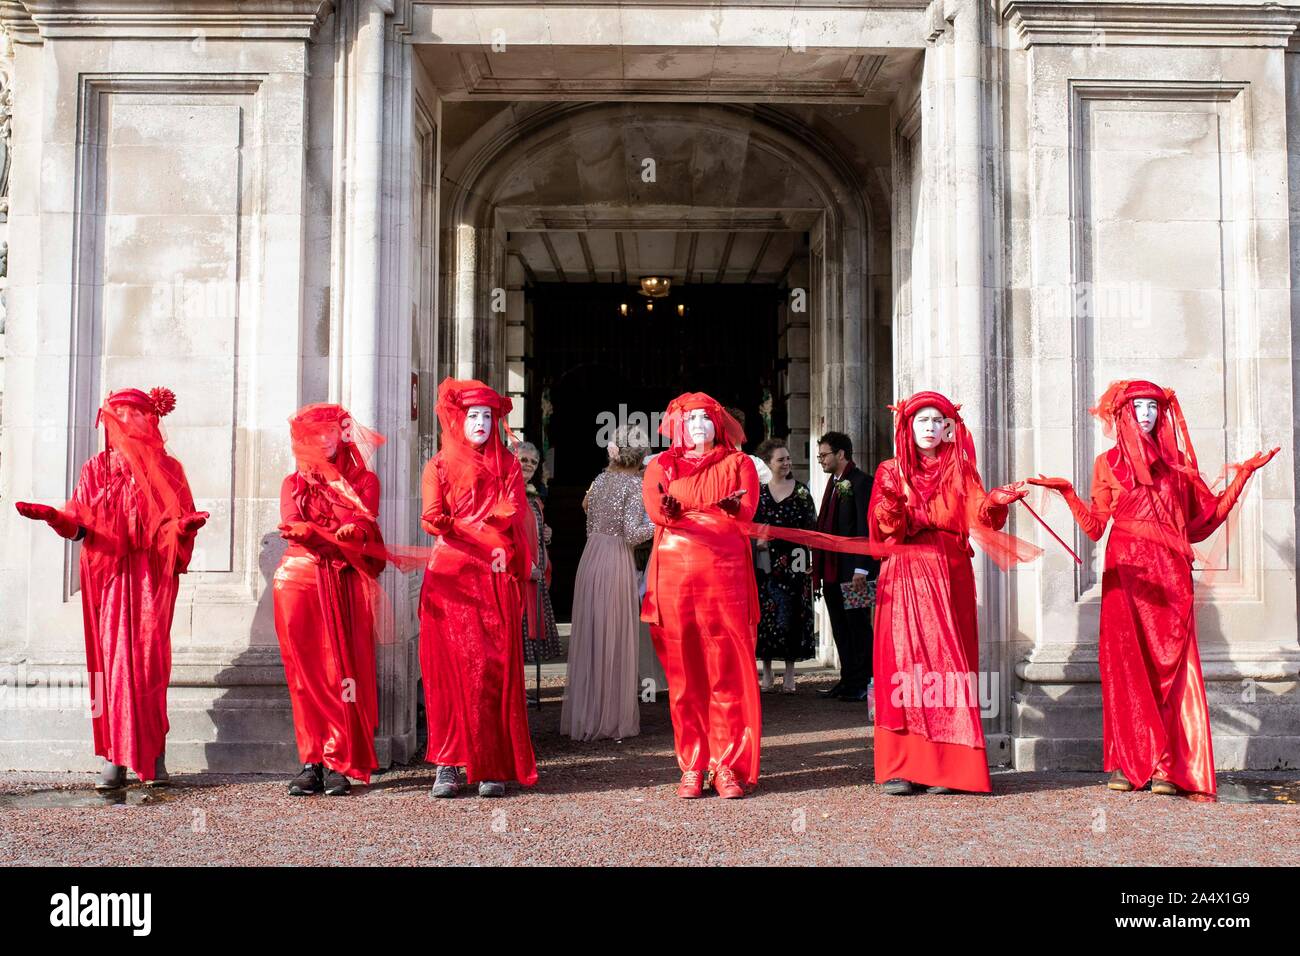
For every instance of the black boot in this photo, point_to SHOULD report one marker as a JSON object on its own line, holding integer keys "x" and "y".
{"x": 111, "y": 777}
{"x": 307, "y": 782}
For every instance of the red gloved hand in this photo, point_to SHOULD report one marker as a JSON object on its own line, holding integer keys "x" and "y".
{"x": 192, "y": 522}
{"x": 63, "y": 524}
{"x": 1259, "y": 460}
{"x": 1008, "y": 494}
{"x": 297, "y": 531}
{"x": 731, "y": 503}
{"x": 34, "y": 511}
{"x": 437, "y": 524}
{"x": 350, "y": 532}
{"x": 1056, "y": 484}
{"x": 670, "y": 506}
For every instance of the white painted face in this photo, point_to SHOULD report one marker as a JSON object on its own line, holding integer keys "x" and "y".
{"x": 930, "y": 428}
{"x": 700, "y": 428}
{"x": 1147, "y": 413}
{"x": 478, "y": 424}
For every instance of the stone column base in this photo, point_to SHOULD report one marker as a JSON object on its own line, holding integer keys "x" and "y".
{"x": 1254, "y": 705}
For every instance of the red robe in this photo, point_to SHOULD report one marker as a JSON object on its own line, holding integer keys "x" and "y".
{"x": 128, "y": 600}
{"x": 1155, "y": 721}
{"x": 471, "y": 617}
{"x": 927, "y": 644}
{"x": 701, "y": 602}
{"x": 324, "y": 618}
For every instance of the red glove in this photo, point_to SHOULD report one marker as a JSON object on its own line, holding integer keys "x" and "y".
{"x": 1056, "y": 484}
{"x": 1008, "y": 494}
{"x": 192, "y": 522}
{"x": 438, "y": 524}
{"x": 63, "y": 524}
{"x": 731, "y": 503}
{"x": 1259, "y": 460}
{"x": 670, "y": 506}
{"x": 297, "y": 531}
{"x": 351, "y": 532}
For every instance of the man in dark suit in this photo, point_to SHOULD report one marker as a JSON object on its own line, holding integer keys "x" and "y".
{"x": 844, "y": 512}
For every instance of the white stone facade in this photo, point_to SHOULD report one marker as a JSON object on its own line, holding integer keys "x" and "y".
{"x": 270, "y": 202}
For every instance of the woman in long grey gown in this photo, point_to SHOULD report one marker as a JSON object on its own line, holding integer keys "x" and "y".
{"x": 601, "y": 697}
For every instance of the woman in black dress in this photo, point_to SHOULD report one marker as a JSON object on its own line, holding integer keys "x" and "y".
{"x": 785, "y": 628}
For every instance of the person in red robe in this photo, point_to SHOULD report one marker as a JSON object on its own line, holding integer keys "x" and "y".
{"x": 701, "y": 598}
{"x": 327, "y": 599}
{"x": 930, "y": 496}
{"x": 471, "y": 611}
{"x": 1155, "y": 720}
{"x": 134, "y": 514}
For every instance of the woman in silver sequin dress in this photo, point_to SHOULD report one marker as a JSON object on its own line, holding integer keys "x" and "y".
{"x": 601, "y": 697}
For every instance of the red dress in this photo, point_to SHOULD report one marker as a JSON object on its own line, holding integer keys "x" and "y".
{"x": 1155, "y": 721}
{"x": 471, "y": 604}
{"x": 927, "y": 643}
{"x": 128, "y": 598}
{"x": 701, "y": 602}
{"x": 324, "y": 618}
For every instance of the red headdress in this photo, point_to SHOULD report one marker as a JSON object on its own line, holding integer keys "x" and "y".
{"x": 949, "y": 487}
{"x": 1136, "y": 451}
{"x": 470, "y": 466}
{"x": 729, "y": 435}
{"x": 140, "y": 443}
{"x": 313, "y": 428}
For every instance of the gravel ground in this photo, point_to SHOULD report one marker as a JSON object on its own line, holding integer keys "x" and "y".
{"x": 612, "y": 802}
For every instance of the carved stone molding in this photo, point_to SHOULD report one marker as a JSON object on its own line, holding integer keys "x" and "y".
{"x": 243, "y": 19}
{"x": 1120, "y": 22}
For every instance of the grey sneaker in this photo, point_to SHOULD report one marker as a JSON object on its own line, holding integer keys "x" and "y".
{"x": 161, "y": 778}
{"x": 447, "y": 781}
{"x": 491, "y": 788}
{"x": 898, "y": 787}
{"x": 111, "y": 777}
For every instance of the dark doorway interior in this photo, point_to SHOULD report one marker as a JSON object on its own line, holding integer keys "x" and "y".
{"x": 592, "y": 363}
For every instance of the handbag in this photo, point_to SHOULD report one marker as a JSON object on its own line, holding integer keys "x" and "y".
{"x": 855, "y": 600}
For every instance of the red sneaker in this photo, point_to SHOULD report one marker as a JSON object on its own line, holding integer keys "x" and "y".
{"x": 692, "y": 785}
{"x": 726, "y": 785}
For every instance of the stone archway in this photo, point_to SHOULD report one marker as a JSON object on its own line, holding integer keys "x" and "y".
{"x": 719, "y": 166}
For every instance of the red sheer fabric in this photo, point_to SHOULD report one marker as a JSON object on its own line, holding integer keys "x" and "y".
{"x": 926, "y": 640}
{"x": 135, "y": 505}
{"x": 1155, "y": 716}
{"x": 328, "y": 606}
{"x": 701, "y": 596}
{"x": 471, "y": 653}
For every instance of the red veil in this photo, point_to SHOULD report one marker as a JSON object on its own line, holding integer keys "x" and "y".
{"x": 159, "y": 477}
{"x": 481, "y": 475}
{"x": 728, "y": 438}
{"x": 1135, "y": 450}
{"x": 309, "y": 426}
{"x": 470, "y": 468}
{"x": 951, "y": 493}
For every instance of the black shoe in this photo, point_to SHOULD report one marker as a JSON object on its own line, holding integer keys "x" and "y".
{"x": 898, "y": 787}
{"x": 308, "y": 782}
{"x": 856, "y": 696}
{"x": 111, "y": 777}
{"x": 941, "y": 790}
{"x": 336, "y": 785}
{"x": 833, "y": 692}
{"x": 491, "y": 788}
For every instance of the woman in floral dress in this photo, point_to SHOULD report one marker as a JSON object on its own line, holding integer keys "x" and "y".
{"x": 785, "y": 629}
